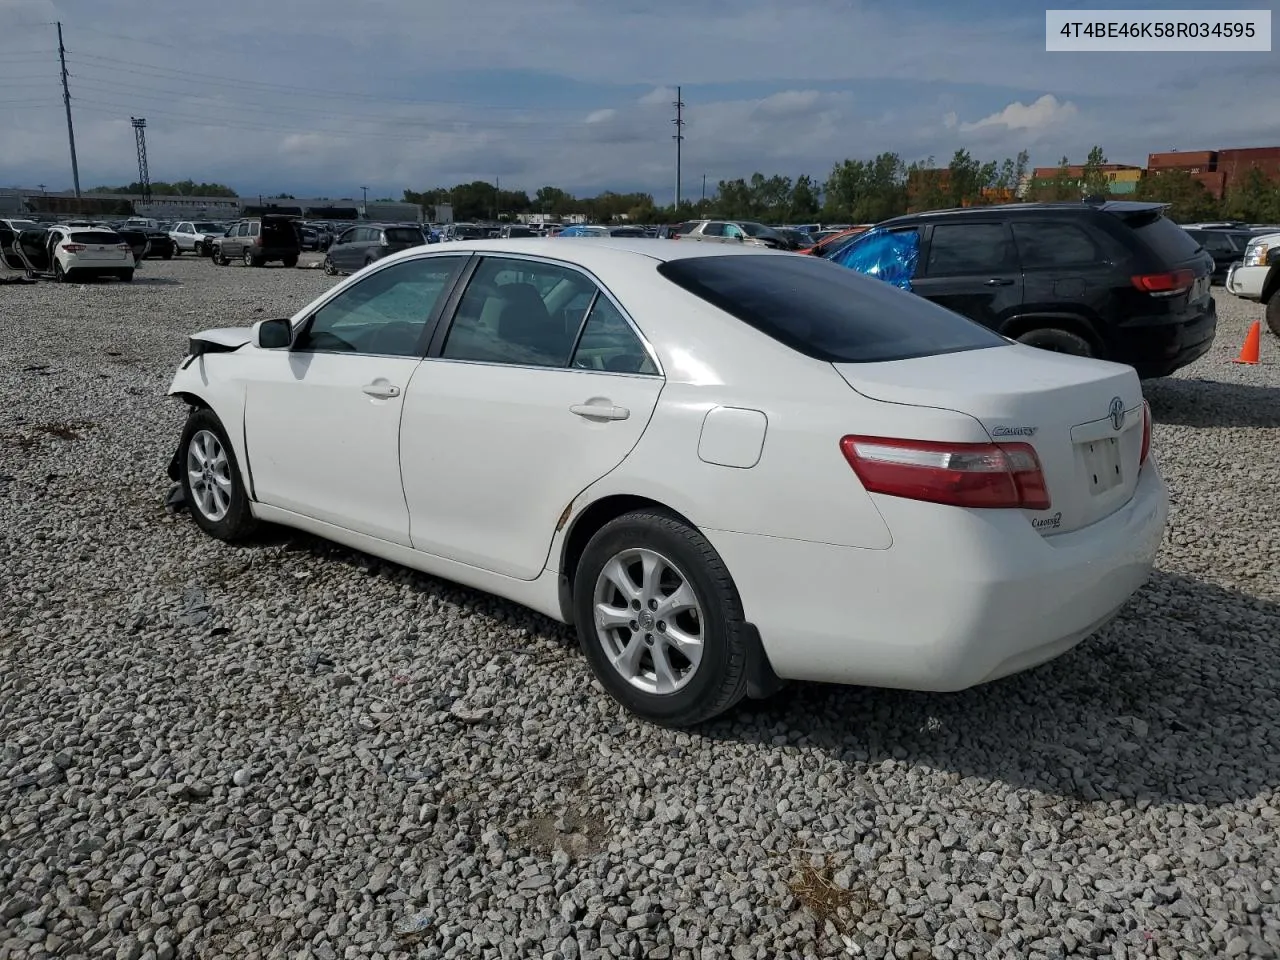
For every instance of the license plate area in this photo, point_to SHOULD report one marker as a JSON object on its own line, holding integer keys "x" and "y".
{"x": 1102, "y": 464}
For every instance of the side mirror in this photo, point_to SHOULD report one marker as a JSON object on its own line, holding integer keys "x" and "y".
{"x": 274, "y": 334}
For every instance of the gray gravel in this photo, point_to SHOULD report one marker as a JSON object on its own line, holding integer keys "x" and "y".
{"x": 295, "y": 750}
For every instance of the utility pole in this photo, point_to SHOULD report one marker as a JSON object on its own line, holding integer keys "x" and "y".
{"x": 66, "y": 101}
{"x": 704, "y": 188}
{"x": 497, "y": 197}
{"x": 144, "y": 175}
{"x": 365, "y": 203}
{"x": 678, "y": 137}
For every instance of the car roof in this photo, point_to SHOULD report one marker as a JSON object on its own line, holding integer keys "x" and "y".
{"x": 1108, "y": 206}
{"x": 611, "y": 251}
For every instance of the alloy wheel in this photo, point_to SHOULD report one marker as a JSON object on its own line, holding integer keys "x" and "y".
{"x": 209, "y": 475}
{"x": 648, "y": 621}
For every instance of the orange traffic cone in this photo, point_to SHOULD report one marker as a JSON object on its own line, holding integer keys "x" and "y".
{"x": 1252, "y": 341}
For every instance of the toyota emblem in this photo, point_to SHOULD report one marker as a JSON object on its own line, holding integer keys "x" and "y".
{"x": 1116, "y": 412}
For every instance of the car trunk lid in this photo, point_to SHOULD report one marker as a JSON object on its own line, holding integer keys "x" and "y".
{"x": 1084, "y": 418}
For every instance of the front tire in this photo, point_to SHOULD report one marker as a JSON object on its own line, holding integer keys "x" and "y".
{"x": 211, "y": 479}
{"x": 1273, "y": 314}
{"x": 660, "y": 620}
{"x": 329, "y": 268}
{"x": 220, "y": 258}
{"x": 1057, "y": 340}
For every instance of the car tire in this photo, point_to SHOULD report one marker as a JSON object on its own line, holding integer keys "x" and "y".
{"x": 290, "y": 261}
{"x": 169, "y": 253}
{"x": 1057, "y": 340}
{"x": 215, "y": 496}
{"x": 126, "y": 276}
{"x": 681, "y": 556}
{"x": 60, "y": 275}
{"x": 329, "y": 268}
{"x": 249, "y": 259}
{"x": 218, "y": 258}
{"x": 1273, "y": 314}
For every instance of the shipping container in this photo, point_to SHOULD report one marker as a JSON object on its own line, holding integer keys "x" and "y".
{"x": 1128, "y": 175}
{"x": 1120, "y": 188}
{"x": 1213, "y": 182}
{"x": 1199, "y": 160}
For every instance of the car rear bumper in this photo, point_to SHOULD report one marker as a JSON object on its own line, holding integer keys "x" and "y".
{"x": 1246, "y": 282}
{"x": 961, "y": 598}
{"x": 1157, "y": 346}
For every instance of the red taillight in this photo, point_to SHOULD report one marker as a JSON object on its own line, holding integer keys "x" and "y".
{"x": 986, "y": 475}
{"x": 1165, "y": 284}
{"x": 74, "y": 247}
{"x": 257, "y": 241}
{"x": 1146, "y": 433}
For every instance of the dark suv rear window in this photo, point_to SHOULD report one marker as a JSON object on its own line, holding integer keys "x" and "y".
{"x": 403, "y": 235}
{"x": 99, "y": 236}
{"x": 1166, "y": 239}
{"x": 281, "y": 232}
{"x": 827, "y": 311}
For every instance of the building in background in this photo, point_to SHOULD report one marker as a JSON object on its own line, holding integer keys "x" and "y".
{"x": 1201, "y": 164}
{"x": 1235, "y": 164}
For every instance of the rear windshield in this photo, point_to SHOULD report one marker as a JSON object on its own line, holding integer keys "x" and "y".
{"x": 1166, "y": 239}
{"x": 90, "y": 236}
{"x": 403, "y": 235}
{"x": 281, "y": 230}
{"x": 827, "y": 311}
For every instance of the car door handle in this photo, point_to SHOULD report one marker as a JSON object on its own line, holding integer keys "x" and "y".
{"x": 383, "y": 391}
{"x": 999, "y": 282}
{"x": 600, "y": 411}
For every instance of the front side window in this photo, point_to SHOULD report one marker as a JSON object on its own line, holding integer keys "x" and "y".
{"x": 384, "y": 314}
{"x": 515, "y": 312}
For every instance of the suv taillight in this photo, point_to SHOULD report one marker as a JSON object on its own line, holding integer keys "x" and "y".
{"x": 73, "y": 247}
{"x": 986, "y": 475}
{"x": 1165, "y": 284}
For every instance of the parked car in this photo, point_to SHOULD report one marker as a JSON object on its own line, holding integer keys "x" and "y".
{"x": 795, "y": 239}
{"x": 515, "y": 230}
{"x": 196, "y": 236}
{"x": 1116, "y": 280}
{"x": 583, "y": 230}
{"x": 136, "y": 237}
{"x": 465, "y": 231}
{"x": 160, "y": 244}
{"x": 737, "y": 232}
{"x": 587, "y": 436}
{"x": 1257, "y": 276}
{"x": 70, "y": 254}
{"x": 256, "y": 241}
{"x": 834, "y": 240}
{"x": 360, "y": 246}
{"x": 1226, "y": 245}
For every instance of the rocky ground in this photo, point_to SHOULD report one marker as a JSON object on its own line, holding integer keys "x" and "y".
{"x": 294, "y": 750}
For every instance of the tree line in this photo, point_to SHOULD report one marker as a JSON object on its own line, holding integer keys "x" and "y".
{"x": 867, "y": 191}
{"x": 855, "y": 191}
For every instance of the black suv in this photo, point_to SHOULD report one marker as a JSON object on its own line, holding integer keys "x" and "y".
{"x": 1117, "y": 280}
{"x": 258, "y": 240}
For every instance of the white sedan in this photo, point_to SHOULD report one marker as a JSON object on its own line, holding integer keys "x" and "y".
{"x": 725, "y": 466}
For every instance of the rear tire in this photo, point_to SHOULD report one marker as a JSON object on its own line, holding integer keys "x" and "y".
{"x": 713, "y": 613}
{"x": 1273, "y": 314}
{"x": 250, "y": 260}
{"x": 290, "y": 261}
{"x": 126, "y": 276}
{"x": 60, "y": 275}
{"x": 1057, "y": 340}
{"x": 211, "y": 481}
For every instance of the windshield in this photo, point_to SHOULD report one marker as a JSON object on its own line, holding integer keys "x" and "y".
{"x": 826, "y": 311}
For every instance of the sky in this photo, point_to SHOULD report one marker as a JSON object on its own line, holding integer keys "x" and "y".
{"x": 321, "y": 97}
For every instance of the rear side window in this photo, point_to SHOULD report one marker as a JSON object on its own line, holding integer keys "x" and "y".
{"x": 89, "y": 236}
{"x": 826, "y": 311}
{"x": 403, "y": 235}
{"x": 1167, "y": 240}
{"x": 1051, "y": 243}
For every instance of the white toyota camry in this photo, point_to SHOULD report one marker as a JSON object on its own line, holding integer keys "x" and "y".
{"x": 724, "y": 466}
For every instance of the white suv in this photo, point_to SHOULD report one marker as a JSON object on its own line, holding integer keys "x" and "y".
{"x": 1257, "y": 276}
{"x": 89, "y": 251}
{"x": 197, "y": 236}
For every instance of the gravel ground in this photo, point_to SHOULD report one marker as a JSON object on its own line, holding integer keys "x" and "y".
{"x": 294, "y": 750}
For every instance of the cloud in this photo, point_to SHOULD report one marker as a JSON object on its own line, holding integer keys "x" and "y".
{"x": 1045, "y": 112}
{"x": 345, "y": 95}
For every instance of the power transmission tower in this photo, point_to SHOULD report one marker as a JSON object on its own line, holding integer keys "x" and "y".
{"x": 144, "y": 176}
{"x": 678, "y": 137}
{"x": 66, "y": 100}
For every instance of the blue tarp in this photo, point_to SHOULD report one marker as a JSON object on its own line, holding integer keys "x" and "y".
{"x": 891, "y": 257}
